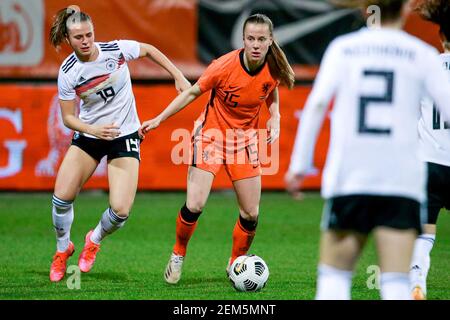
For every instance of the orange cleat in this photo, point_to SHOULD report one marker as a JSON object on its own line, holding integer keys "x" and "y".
{"x": 418, "y": 294}
{"x": 59, "y": 263}
{"x": 87, "y": 256}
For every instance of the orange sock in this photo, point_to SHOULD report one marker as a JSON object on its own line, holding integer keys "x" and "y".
{"x": 184, "y": 232}
{"x": 242, "y": 240}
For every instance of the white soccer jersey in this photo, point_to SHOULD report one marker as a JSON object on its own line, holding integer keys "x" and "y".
{"x": 103, "y": 85}
{"x": 377, "y": 78}
{"x": 433, "y": 129}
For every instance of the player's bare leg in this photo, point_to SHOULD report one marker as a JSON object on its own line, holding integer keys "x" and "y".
{"x": 123, "y": 178}
{"x": 198, "y": 188}
{"x": 339, "y": 252}
{"x": 394, "y": 248}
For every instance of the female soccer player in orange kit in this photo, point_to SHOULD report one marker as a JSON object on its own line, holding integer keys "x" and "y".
{"x": 240, "y": 82}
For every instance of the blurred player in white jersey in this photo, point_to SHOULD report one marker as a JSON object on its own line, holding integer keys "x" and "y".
{"x": 373, "y": 181}
{"x": 435, "y": 150}
{"x": 107, "y": 126}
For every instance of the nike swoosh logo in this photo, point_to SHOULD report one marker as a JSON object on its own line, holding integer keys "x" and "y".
{"x": 236, "y": 6}
{"x": 290, "y": 31}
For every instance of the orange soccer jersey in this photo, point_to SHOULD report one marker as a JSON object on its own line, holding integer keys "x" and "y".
{"x": 236, "y": 94}
{"x": 234, "y": 105}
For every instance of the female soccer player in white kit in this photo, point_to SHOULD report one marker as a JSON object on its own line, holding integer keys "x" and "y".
{"x": 435, "y": 150}
{"x": 374, "y": 180}
{"x": 107, "y": 125}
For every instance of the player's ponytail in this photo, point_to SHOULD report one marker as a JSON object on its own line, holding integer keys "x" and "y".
{"x": 61, "y": 21}
{"x": 278, "y": 63}
{"x": 438, "y": 12}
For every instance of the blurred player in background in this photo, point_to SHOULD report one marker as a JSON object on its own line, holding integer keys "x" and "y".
{"x": 107, "y": 125}
{"x": 240, "y": 83}
{"x": 374, "y": 180}
{"x": 435, "y": 150}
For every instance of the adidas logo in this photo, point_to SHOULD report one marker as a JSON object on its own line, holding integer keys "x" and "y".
{"x": 82, "y": 79}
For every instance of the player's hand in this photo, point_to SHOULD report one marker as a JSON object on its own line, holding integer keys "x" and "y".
{"x": 141, "y": 135}
{"x": 293, "y": 182}
{"x": 149, "y": 125}
{"x": 182, "y": 84}
{"x": 273, "y": 128}
{"x": 105, "y": 132}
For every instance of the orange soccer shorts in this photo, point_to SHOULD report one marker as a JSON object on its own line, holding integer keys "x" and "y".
{"x": 210, "y": 154}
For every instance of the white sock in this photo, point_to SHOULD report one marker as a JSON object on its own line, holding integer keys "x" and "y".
{"x": 395, "y": 286}
{"x": 109, "y": 223}
{"x": 62, "y": 216}
{"x": 333, "y": 284}
{"x": 421, "y": 261}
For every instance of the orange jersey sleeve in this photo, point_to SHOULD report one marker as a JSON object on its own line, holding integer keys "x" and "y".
{"x": 210, "y": 77}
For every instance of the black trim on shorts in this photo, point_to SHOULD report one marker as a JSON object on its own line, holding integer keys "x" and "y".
{"x": 363, "y": 213}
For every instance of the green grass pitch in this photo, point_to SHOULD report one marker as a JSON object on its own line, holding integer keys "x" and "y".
{"x": 131, "y": 262}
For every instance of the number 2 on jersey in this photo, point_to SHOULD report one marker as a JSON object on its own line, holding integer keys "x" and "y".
{"x": 365, "y": 101}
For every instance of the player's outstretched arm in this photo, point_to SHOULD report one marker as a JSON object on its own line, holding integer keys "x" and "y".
{"x": 175, "y": 106}
{"x": 147, "y": 50}
{"x": 273, "y": 124}
{"x": 71, "y": 121}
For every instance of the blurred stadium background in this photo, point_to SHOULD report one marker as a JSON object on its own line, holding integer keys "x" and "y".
{"x": 33, "y": 141}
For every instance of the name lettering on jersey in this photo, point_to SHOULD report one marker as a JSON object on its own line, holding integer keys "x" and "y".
{"x": 446, "y": 65}
{"x": 388, "y": 50}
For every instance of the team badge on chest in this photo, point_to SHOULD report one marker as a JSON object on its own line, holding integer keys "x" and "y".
{"x": 111, "y": 65}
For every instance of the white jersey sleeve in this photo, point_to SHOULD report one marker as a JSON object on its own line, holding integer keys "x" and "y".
{"x": 324, "y": 88}
{"x": 434, "y": 128}
{"x": 129, "y": 48}
{"x": 66, "y": 90}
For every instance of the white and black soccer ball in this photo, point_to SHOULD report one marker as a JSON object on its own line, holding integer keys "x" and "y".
{"x": 248, "y": 273}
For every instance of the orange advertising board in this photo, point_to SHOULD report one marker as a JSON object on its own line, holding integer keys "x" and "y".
{"x": 25, "y": 51}
{"x": 33, "y": 139}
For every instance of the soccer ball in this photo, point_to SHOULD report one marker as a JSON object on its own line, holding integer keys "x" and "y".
{"x": 248, "y": 273}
